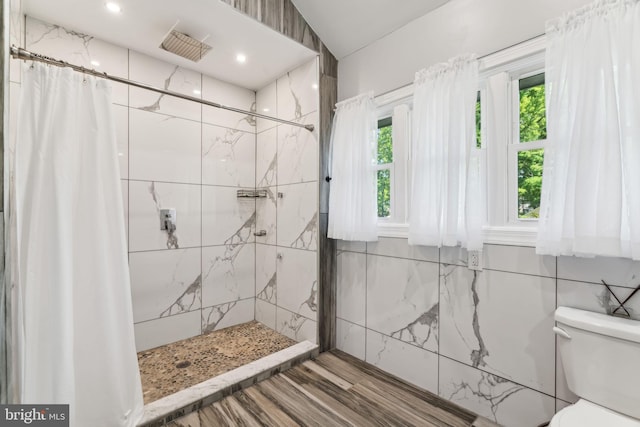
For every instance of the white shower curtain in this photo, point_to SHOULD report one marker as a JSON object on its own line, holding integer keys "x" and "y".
{"x": 75, "y": 316}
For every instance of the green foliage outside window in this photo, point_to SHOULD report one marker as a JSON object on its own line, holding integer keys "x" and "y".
{"x": 529, "y": 182}
{"x": 533, "y": 127}
{"x": 385, "y": 155}
{"x": 385, "y": 147}
{"x": 533, "y": 120}
{"x": 384, "y": 193}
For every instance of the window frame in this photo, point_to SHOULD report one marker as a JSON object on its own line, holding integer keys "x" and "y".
{"x": 399, "y": 168}
{"x": 516, "y": 146}
{"x": 500, "y": 73}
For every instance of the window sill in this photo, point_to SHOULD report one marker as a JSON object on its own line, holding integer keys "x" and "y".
{"x": 388, "y": 229}
{"x": 511, "y": 235}
{"x": 508, "y": 235}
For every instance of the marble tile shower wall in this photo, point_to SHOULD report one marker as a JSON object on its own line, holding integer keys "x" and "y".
{"x": 481, "y": 339}
{"x": 287, "y": 167}
{"x": 177, "y": 154}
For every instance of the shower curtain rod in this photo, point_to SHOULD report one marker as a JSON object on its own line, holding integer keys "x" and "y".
{"x": 20, "y": 53}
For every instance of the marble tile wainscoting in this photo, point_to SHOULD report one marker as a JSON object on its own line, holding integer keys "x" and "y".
{"x": 179, "y": 154}
{"x": 482, "y": 339}
{"x": 287, "y": 168}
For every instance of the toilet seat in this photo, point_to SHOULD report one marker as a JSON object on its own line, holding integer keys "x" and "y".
{"x": 587, "y": 414}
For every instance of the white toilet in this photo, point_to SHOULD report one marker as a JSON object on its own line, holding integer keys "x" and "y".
{"x": 601, "y": 359}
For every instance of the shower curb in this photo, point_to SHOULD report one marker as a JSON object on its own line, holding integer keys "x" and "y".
{"x": 169, "y": 408}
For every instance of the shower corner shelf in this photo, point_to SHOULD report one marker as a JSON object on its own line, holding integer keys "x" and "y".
{"x": 252, "y": 194}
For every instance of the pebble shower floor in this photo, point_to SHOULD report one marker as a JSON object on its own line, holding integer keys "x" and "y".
{"x": 173, "y": 367}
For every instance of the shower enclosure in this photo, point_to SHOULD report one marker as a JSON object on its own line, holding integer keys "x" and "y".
{"x": 231, "y": 259}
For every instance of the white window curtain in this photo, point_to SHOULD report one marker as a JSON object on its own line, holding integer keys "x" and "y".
{"x": 352, "y": 201}
{"x": 74, "y": 313}
{"x": 590, "y": 202}
{"x": 446, "y": 200}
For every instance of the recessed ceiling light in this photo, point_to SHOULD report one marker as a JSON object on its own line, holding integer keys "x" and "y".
{"x": 266, "y": 110}
{"x": 197, "y": 91}
{"x": 113, "y": 7}
{"x": 241, "y": 58}
{"x": 95, "y": 63}
{"x": 315, "y": 85}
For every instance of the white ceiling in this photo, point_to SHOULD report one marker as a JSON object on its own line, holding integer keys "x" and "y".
{"x": 142, "y": 25}
{"x": 345, "y": 26}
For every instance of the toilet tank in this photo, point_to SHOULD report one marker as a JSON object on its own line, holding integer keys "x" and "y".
{"x": 601, "y": 358}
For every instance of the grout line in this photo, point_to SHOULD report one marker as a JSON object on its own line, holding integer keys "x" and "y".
{"x": 491, "y": 373}
{"x": 202, "y": 121}
{"x": 216, "y": 185}
{"x": 393, "y": 338}
{"x": 290, "y": 184}
{"x": 397, "y": 257}
{"x": 198, "y": 310}
{"x": 366, "y": 299}
{"x": 594, "y": 283}
{"x": 166, "y": 317}
{"x": 205, "y": 123}
{"x": 440, "y": 268}
{"x": 555, "y": 347}
{"x": 277, "y": 261}
{"x": 275, "y": 124}
{"x": 285, "y": 247}
{"x": 350, "y": 322}
{"x": 228, "y": 302}
{"x": 255, "y": 207}
{"x": 297, "y": 314}
{"x": 201, "y": 210}
{"x": 157, "y": 181}
{"x": 457, "y": 265}
{"x": 352, "y": 252}
{"x": 178, "y": 249}
{"x": 519, "y": 273}
{"x": 128, "y": 163}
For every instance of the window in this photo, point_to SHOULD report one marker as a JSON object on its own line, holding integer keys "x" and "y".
{"x": 384, "y": 167}
{"x": 527, "y": 147}
{"x": 510, "y": 132}
{"x": 392, "y": 163}
{"x": 513, "y": 124}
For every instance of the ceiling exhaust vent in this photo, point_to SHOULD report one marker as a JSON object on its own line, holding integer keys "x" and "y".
{"x": 185, "y": 46}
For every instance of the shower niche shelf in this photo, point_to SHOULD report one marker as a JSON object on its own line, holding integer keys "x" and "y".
{"x": 252, "y": 194}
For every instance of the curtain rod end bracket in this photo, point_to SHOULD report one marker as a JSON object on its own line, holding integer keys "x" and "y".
{"x": 310, "y": 128}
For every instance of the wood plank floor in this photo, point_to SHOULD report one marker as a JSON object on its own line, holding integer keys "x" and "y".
{"x": 335, "y": 389}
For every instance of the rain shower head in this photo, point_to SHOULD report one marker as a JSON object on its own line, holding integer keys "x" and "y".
{"x": 185, "y": 46}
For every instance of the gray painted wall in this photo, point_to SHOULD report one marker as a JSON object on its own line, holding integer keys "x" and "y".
{"x": 459, "y": 26}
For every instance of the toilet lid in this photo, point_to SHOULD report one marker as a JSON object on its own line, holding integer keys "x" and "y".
{"x": 587, "y": 414}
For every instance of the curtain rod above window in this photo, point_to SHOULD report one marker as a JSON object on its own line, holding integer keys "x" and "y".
{"x": 488, "y": 62}
{"x": 20, "y": 53}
